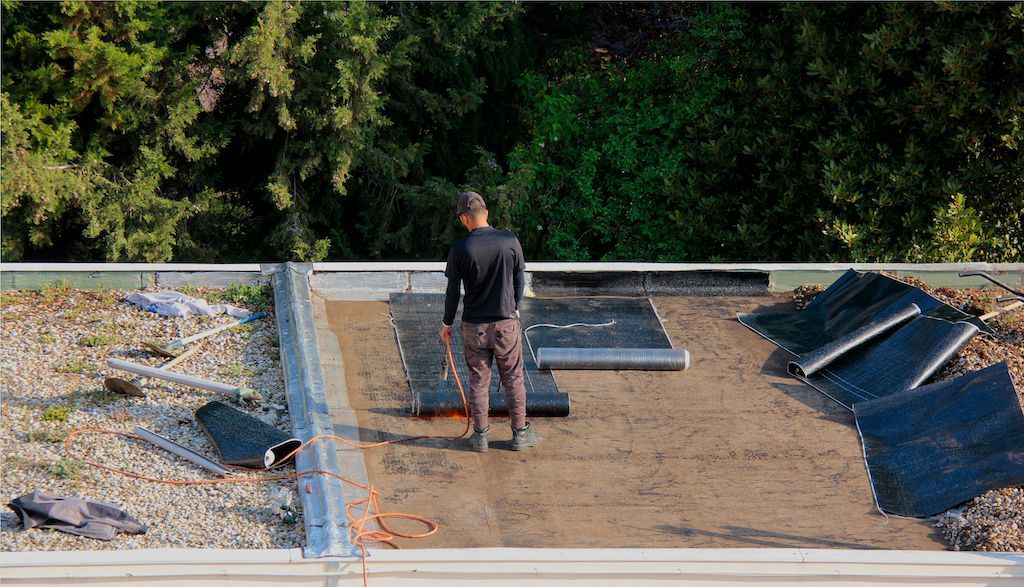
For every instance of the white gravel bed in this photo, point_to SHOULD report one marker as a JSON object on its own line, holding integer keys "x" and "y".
{"x": 55, "y": 345}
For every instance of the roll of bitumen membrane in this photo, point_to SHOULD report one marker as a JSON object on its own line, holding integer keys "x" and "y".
{"x": 816, "y": 360}
{"x": 242, "y": 440}
{"x": 446, "y": 404}
{"x": 604, "y": 358}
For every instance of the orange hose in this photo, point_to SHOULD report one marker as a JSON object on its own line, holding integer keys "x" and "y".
{"x": 358, "y": 532}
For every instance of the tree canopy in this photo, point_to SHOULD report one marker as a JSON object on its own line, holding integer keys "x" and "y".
{"x": 227, "y": 131}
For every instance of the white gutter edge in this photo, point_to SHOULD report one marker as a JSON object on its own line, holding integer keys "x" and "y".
{"x": 535, "y": 266}
{"x": 511, "y": 566}
{"x": 188, "y": 556}
{"x": 591, "y": 267}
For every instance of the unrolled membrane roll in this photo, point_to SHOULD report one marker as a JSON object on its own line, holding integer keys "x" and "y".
{"x": 448, "y": 403}
{"x": 598, "y": 358}
{"x": 243, "y": 440}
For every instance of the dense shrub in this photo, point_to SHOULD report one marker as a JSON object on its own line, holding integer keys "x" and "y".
{"x": 807, "y": 132}
{"x": 715, "y": 132}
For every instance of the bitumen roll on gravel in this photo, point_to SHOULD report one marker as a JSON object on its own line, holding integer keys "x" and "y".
{"x": 55, "y": 346}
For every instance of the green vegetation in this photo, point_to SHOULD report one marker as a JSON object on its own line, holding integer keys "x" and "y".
{"x": 66, "y": 469}
{"x": 101, "y": 396}
{"x": 258, "y": 298}
{"x": 228, "y": 131}
{"x": 8, "y": 298}
{"x": 48, "y": 435}
{"x": 57, "y": 413}
{"x": 104, "y": 296}
{"x": 191, "y": 290}
{"x": 76, "y": 366}
{"x": 99, "y": 339}
{"x": 50, "y": 292}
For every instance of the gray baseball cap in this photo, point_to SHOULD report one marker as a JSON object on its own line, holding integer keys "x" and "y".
{"x": 468, "y": 202}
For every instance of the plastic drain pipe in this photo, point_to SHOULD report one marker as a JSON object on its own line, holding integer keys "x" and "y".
{"x": 241, "y": 393}
{"x": 606, "y": 358}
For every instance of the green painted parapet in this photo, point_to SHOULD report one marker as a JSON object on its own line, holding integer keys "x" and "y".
{"x": 784, "y": 280}
{"x": 27, "y": 280}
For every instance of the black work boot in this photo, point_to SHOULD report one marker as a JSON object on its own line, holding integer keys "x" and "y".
{"x": 524, "y": 438}
{"x": 478, "y": 441}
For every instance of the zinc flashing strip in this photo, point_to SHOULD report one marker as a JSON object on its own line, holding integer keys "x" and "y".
{"x": 374, "y": 281}
{"x": 514, "y": 566}
{"x": 323, "y": 497}
{"x": 590, "y": 267}
{"x": 377, "y": 279}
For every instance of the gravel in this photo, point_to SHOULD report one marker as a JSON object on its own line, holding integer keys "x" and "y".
{"x": 993, "y": 521}
{"x": 55, "y": 346}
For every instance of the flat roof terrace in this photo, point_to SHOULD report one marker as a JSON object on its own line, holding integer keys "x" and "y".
{"x": 717, "y": 474}
{"x": 731, "y": 452}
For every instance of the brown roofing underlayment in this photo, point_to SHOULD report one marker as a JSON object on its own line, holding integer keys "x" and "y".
{"x": 731, "y": 452}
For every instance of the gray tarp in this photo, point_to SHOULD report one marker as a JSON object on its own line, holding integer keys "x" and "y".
{"x": 74, "y": 516}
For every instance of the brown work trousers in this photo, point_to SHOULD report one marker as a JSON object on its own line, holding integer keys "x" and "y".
{"x": 501, "y": 341}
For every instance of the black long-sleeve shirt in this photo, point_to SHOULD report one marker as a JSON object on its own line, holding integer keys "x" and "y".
{"x": 490, "y": 266}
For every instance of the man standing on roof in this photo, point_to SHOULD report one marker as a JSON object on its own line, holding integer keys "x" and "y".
{"x": 489, "y": 264}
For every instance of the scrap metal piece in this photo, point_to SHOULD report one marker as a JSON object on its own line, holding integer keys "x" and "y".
{"x": 242, "y": 440}
{"x": 183, "y": 452}
{"x": 172, "y": 347}
{"x": 159, "y": 349}
{"x": 123, "y": 387}
{"x": 132, "y": 387}
{"x": 1017, "y": 294}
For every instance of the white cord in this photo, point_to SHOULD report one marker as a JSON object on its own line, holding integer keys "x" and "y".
{"x": 573, "y": 325}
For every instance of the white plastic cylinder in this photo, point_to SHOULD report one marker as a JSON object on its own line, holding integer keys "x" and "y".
{"x": 181, "y": 378}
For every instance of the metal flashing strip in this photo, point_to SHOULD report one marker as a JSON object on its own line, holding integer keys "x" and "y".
{"x": 375, "y": 280}
{"x": 591, "y": 267}
{"x": 513, "y": 566}
{"x": 323, "y": 497}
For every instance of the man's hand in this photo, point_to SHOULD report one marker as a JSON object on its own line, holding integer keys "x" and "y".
{"x": 446, "y": 333}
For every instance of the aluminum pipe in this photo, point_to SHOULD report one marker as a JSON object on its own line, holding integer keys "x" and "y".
{"x": 183, "y": 452}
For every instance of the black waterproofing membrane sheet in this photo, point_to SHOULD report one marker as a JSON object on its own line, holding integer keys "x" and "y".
{"x": 636, "y": 324}
{"x": 867, "y": 336}
{"x": 242, "y": 440}
{"x": 931, "y": 448}
{"x": 417, "y": 318}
